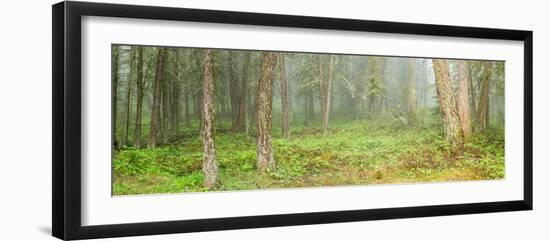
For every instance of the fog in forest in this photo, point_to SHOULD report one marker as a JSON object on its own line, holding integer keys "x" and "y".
{"x": 191, "y": 119}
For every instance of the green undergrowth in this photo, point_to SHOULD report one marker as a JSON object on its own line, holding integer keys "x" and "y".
{"x": 354, "y": 152}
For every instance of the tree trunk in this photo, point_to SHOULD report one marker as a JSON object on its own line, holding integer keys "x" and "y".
{"x": 114, "y": 90}
{"x": 234, "y": 97}
{"x": 483, "y": 108}
{"x": 187, "y": 115}
{"x": 311, "y": 108}
{"x": 209, "y": 165}
{"x": 139, "y": 104}
{"x": 412, "y": 85}
{"x": 383, "y": 98}
{"x": 424, "y": 84}
{"x": 126, "y": 128}
{"x": 323, "y": 87}
{"x": 371, "y": 99}
{"x": 473, "y": 95}
{"x": 306, "y": 107}
{"x": 175, "y": 97}
{"x": 327, "y": 95}
{"x": 165, "y": 104}
{"x": 249, "y": 109}
{"x": 247, "y": 116}
{"x": 251, "y": 113}
{"x": 264, "y": 98}
{"x": 463, "y": 97}
{"x": 155, "y": 110}
{"x": 448, "y": 106}
{"x": 284, "y": 96}
{"x": 241, "y": 120}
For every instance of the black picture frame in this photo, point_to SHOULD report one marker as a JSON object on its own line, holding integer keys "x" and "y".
{"x": 66, "y": 128}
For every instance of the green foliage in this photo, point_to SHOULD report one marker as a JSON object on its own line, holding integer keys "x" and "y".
{"x": 355, "y": 153}
{"x": 163, "y": 160}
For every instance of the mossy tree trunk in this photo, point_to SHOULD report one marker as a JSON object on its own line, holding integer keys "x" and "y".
{"x": 483, "y": 104}
{"x": 165, "y": 102}
{"x": 234, "y": 97}
{"x": 129, "y": 82}
{"x": 264, "y": 100}
{"x": 463, "y": 95}
{"x": 114, "y": 94}
{"x": 175, "y": 94}
{"x": 209, "y": 164}
{"x": 139, "y": 101}
{"x": 448, "y": 106}
{"x": 155, "y": 110}
{"x": 284, "y": 96}
{"x": 243, "y": 100}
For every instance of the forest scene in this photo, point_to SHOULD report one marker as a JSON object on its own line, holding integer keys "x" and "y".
{"x": 198, "y": 120}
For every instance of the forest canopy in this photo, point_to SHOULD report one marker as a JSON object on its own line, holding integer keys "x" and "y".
{"x": 192, "y": 119}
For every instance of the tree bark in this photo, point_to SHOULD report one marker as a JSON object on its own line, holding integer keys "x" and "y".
{"x": 209, "y": 164}
{"x": 448, "y": 106}
{"x": 126, "y": 127}
{"x": 473, "y": 94}
{"x": 175, "y": 95}
{"x": 155, "y": 110}
{"x": 327, "y": 95}
{"x": 139, "y": 94}
{"x": 241, "y": 120}
{"x": 187, "y": 114}
{"x": 233, "y": 91}
{"x": 323, "y": 87}
{"x": 483, "y": 108}
{"x": 165, "y": 104}
{"x": 114, "y": 90}
{"x": 284, "y": 96}
{"x": 264, "y": 98}
{"x": 463, "y": 98}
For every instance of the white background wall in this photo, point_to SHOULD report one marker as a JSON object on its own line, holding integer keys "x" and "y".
{"x": 25, "y": 119}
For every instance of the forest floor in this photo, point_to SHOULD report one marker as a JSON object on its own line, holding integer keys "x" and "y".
{"x": 354, "y": 153}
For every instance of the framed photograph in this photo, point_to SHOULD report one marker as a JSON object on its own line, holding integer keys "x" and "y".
{"x": 171, "y": 120}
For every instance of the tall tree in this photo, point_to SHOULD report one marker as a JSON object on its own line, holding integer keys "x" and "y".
{"x": 463, "y": 98}
{"x": 209, "y": 164}
{"x": 175, "y": 95}
{"x": 448, "y": 106}
{"x": 186, "y": 100}
{"x": 483, "y": 104}
{"x": 233, "y": 90}
{"x": 411, "y": 85}
{"x": 155, "y": 110}
{"x": 129, "y": 81}
{"x": 323, "y": 90}
{"x": 114, "y": 90}
{"x": 139, "y": 101}
{"x": 475, "y": 68}
{"x": 327, "y": 88}
{"x": 375, "y": 83}
{"x": 165, "y": 93}
{"x": 424, "y": 87}
{"x": 242, "y": 118}
{"x": 264, "y": 100}
{"x": 284, "y": 95}
{"x": 382, "y": 83}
